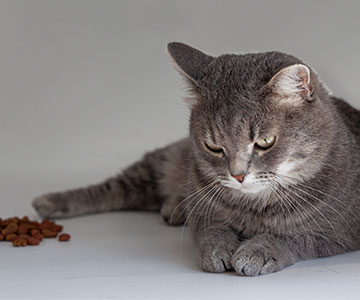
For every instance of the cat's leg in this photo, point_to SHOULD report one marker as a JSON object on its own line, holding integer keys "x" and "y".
{"x": 217, "y": 244}
{"x": 173, "y": 210}
{"x": 136, "y": 188}
{"x": 267, "y": 253}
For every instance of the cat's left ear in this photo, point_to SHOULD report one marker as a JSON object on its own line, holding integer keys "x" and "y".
{"x": 189, "y": 61}
{"x": 292, "y": 84}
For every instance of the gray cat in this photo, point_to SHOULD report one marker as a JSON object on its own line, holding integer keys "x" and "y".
{"x": 269, "y": 175}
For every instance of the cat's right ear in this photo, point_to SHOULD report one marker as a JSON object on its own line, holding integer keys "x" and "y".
{"x": 189, "y": 61}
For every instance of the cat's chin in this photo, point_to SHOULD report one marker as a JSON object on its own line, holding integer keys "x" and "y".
{"x": 245, "y": 188}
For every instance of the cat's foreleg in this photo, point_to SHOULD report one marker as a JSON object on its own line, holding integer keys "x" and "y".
{"x": 216, "y": 244}
{"x": 267, "y": 253}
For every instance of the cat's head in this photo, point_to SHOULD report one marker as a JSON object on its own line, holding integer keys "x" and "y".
{"x": 256, "y": 119}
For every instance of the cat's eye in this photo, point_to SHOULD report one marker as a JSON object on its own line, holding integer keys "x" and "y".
{"x": 266, "y": 143}
{"x": 214, "y": 148}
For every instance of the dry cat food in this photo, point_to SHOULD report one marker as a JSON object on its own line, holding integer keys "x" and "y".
{"x": 24, "y": 232}
{"x": 64, "y": 237}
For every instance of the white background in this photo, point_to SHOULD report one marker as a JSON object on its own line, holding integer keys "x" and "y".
{"x": 86, "y": 87}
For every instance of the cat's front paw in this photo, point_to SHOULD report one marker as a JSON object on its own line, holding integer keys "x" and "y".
{"x": 215, "y": 259}
{"x": 254, "y": 258}
{"x": 50, "y": 206}
{"x": 216, "y": 251}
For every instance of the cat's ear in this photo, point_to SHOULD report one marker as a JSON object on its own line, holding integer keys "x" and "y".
{"x": 188, "y": 61}
{"x": 292, "y": 84}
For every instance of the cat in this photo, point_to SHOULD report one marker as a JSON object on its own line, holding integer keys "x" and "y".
{"x": 268, "y": 176}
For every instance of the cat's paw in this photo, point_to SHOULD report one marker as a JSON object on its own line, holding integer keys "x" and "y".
{"x": 253, "y": 258}
{"x": 50, "y": 206}
{"x": 215, "y": 253}
{"x": 173, "y": 213}
{"x": 215, "y": 260}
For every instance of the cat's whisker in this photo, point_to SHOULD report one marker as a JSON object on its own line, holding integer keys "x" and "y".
{"x": 306, "y": 214}
{"x": 298, "y": 213}
{"x": 211, "y": 204}
{"x": 281, "y": 200}
{"x": 313, "y": 233}
{"x": 204, "y": 205}
{"x": 314, "y": 189}
{"x": 175, "y": 102}
{"x": 318, "y": 211}
{"x": 191, "y": 211}
{"x": 208, "y": 204}
{"x": 188, "y": 198}
{"x": 323, "y": 202}
{"x": 309, "y": 227}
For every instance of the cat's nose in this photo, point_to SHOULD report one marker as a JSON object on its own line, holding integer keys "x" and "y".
{"x": 239, "y": 178}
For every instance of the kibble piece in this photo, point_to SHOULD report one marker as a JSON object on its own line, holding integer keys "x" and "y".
{"x": 33, "y": 241}
{"x": 38, "y": 236}
{"x": 10, "y": 237}
{"x": 11, "y": 228}
{"x": 35, "y": 232}
{"x": 64, "y": 237}
{"x": 24, "y": 219}
{"x": 23, "y": 236}
{"x": 36, "y": 224}
{"x": 13, "y": 220}
{"x": 48, "y": 233}
{"x": 57, "y": 228}
{"x": 46, "y": 224}
{"x": 19, "y": 242}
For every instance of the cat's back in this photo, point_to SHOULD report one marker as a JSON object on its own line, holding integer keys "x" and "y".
{"x": 349, "y": 115}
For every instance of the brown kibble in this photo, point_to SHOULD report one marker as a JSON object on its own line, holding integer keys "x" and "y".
{"x": 57, "y": 228}
{"x": 19, "y": 242}
{"x": 32, "y": 241}
{"x": 49, "y": 233}
{"x": 11, "y": 228}
{"x": 64, "y": 237}
{"x": 36, "y": 224}
{"x": 25, "y": 228}
{"x": 13, "y": 220}
{"x": 23, "y": 231}
{"x": 24, "y": 219}
{"x": 35, "y": 232}
{"x": 46, "y": 224}
{"x": 6, "y": 222}
{"x": 23, "y": 236}
{"x": 10, "y": 237}
{"x": 38, "y": 236}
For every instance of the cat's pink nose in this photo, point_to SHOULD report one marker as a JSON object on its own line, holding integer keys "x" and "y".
{"x": 239, "y": 178}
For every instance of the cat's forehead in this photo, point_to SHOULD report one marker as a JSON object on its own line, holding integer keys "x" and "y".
{"x": 230, "y": 94}
{"x": 243, "y": 75}
{"x": 241, "y": 119}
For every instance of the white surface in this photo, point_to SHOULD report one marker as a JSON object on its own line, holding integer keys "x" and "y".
{"x": 131, "y": 255}
{"x": 86, "y": 87}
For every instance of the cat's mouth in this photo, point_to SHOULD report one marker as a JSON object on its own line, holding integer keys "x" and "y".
{"x": 248, "y": 186}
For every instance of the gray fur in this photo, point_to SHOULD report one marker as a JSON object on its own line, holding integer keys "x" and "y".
{"x": 309, "y": 209}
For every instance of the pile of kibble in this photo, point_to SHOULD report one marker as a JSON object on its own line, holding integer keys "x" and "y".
{"x": 24, "y": 232}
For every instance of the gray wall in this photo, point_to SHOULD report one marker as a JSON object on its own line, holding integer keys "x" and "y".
{"x": 86, "y": 86}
